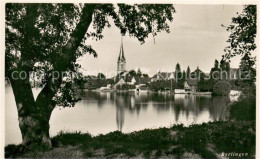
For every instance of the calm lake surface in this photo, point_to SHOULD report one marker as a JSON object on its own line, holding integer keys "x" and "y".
{"x": 103, "y": 112}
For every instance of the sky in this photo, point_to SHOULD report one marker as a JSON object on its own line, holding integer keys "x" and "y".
{"x": 196, "y": 39}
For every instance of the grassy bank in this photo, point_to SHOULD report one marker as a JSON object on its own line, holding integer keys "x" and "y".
{"x": 197, "y": 141}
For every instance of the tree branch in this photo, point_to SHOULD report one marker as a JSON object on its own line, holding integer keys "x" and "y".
{"x": 68, "y": 54}
{"x": 68, "y": 51}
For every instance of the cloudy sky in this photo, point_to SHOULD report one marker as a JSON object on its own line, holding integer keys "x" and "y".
{"x": 196, "y": 40}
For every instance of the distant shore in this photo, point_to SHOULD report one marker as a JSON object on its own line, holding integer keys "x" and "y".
{"x": 232, "y": 92}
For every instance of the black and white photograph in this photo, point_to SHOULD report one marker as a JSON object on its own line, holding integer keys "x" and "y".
{"x": 129, "y": 80}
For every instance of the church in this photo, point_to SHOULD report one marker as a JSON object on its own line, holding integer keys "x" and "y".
{"x": 123, "y": 76}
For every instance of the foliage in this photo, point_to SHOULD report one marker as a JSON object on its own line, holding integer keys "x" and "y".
{"x": 132, "y": 73}
{"x": 205, "y": 85}
{"x": 235, "y": 84}
{"x": 216, "y": 64}
{"x": 220, "y": 71}
{"x": 242, "y": 42}
{"x": 177, "y": 68}
{"x": 68, "y": 138}
{"x": 170, "y": 142}
{"x": 244, "y": 109}
{"x": 224, "y": 70}
{"x": 247, "y": 70}
{"x": 215, "y": 73}
{"x": 242, "y": 33}
{"x": 101, "y": 76}
{"x": 224, "y": 65}
{"x": 162, "y": 85}
{"x": 222, "y": 88}
{"x": 178, "y": 74}
{"x": 179, "y": 77}
{"x": 188, "y": 71}
{"x": 145, "y": 75}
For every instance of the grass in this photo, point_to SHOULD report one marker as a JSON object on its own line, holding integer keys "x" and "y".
{"x": 197, "y": 141}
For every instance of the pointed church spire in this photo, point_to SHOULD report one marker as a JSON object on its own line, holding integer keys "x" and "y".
{"x": 121, "y": 56}
{"x": 121, "y": 63}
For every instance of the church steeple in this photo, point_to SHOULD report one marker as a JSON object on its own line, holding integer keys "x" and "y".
{"x": 121, "y": 57}
{"x": 121, "y": 62}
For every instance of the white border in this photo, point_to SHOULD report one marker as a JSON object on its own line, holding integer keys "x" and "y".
{"x": 2, "y": 48}
{"x": 2, "y": 85}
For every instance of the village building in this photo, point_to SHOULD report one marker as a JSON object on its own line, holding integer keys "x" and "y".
{"x": 197, "y": 74}
{"x": 162, "y": 76}
{"x": 191, "y": 85}
{"x": 132, "y": 80}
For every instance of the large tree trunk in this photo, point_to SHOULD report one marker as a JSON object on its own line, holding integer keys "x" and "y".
{"x": 35, "y": 131}
{"x": 33, "y": 115}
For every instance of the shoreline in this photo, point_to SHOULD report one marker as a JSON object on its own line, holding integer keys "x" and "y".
{"x": 207, "y": 141}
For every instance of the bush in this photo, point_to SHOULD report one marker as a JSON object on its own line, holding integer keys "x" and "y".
{"x": 244, "y": 109}
{"x": 222, "y": 88}
{"x": 162, "y": 85}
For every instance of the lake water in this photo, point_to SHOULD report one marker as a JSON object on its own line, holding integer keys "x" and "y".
{"x": 100, "y": 113}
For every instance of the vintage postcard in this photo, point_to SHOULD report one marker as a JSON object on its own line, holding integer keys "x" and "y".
{"x": 129, "y": 79}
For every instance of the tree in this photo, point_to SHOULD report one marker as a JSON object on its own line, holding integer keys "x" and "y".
{"x": 145, "y": 75}
{"x": 247, "y": 70}
{"x": 242, "y": 42}
{"x": 178, "y": 72}
{"x": 161, "y": 85}
{"x": 132, "y": 73}
{"x": 184, "y": 75}
{"x": 205, "y": 85}
{"x": 188, "y": 71}
{"x": 216, "y": 64}
{"x": 101, "y": 76}
{"x": 222, "y": 88}
{"x": 48, "y": 38}
{"x": 224, "y": 69}
{"x": 243, "y": 33}
{"x": 224, "y": 65}
{"x": 179, "y": 76}
{"x": 242, "y": 38}
{"x": 177, "y": 68}
{"x": 215, "y": 71}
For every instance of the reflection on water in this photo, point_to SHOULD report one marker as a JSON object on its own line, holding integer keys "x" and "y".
{"x": 196, "y": 107}
{"x": 103, "y": 112}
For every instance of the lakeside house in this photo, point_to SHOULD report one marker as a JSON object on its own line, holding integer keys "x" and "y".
{"x": 179, "y": 91}
{"x": 191, "y": 85}
{"x": 142, "y": 89}
{"x": 132, "y": 80}
{"x": 106, "y": 88}
{"x": 141, "y": 81}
